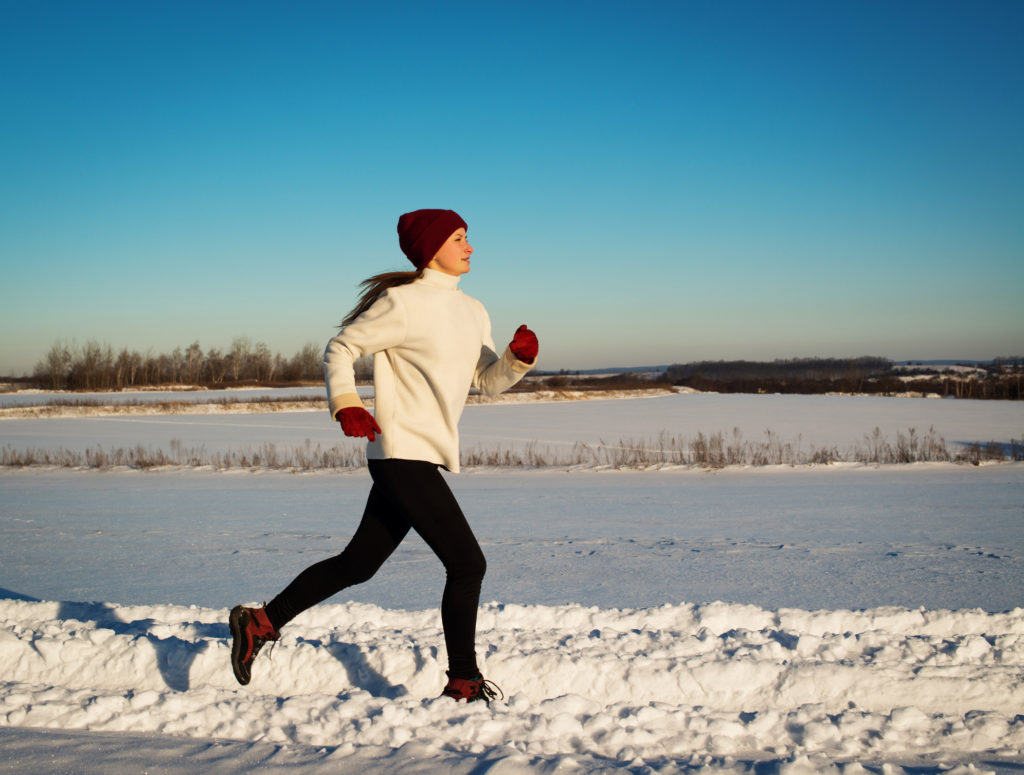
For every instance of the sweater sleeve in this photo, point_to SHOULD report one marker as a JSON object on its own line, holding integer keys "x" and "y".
{"x": 382, "y": 326}
{"x": 495, "y": 374}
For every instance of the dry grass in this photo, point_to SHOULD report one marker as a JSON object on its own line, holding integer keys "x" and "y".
{"x": 718, "y": 450}
{"x": 707, "y": 451}
{"x": 70, "y": 407}
{"x": 304, "y": 458}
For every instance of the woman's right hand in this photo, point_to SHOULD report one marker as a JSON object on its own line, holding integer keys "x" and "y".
{"x": 356, "y": 421}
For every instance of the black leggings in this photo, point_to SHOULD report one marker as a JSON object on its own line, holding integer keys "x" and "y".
{"x": 405, "y": 493}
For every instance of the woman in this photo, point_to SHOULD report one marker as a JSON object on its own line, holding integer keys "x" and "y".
{"x": 430, "y": 344}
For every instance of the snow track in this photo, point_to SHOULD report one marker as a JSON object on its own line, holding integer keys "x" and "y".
{"x": 663, "y": 689}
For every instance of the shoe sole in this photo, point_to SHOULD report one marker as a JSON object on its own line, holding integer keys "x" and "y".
{"x": 237, "y": 621}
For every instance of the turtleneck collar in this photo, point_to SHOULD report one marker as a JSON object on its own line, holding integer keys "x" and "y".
{"x": 439, "y": 279}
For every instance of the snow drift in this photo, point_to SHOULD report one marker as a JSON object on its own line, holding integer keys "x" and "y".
{"x": 675, "y": 686}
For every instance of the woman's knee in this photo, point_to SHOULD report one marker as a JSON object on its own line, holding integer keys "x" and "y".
{"x": 469, "y": 566}
{"x": 480, "y": 568}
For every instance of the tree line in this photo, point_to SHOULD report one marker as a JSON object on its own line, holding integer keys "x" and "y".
{"x": 1001, "y": 379}
{"x": 96, "y": 366}
{"x": 789, "y": 369}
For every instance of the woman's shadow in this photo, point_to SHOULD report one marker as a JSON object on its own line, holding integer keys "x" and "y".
{"x": 175, "y": 656}
{"x": 361, "y": 675}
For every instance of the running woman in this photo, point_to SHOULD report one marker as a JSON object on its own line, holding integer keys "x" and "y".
{"x": 430, "y": 343}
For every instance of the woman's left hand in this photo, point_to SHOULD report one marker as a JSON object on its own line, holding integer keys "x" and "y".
{"x": 525, "y": 345}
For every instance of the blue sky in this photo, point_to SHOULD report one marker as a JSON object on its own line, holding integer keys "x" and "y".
{"x": 645, "y": 182}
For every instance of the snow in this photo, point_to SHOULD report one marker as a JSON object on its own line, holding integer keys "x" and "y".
{"x": 662, "y": 687}
{"x": 183, "y": 394}
{"x": 941, "y": 536}
{"x": 773, "y": 619}
{"x": 554, "y": 428}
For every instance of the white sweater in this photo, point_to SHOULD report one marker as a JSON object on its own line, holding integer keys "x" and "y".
{"x": 430, "y": 342}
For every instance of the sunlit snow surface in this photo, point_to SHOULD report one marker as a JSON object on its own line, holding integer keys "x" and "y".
{"x": 802, "y": 421}
{"x": 756, "y": 620}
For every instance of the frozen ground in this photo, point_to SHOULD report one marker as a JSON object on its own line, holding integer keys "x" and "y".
{"x": 939, "y": 536}
{"x": 748, "y": 620}
{"x": 554, "y": 428}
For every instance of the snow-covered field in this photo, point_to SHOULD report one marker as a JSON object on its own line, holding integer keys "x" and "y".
{"x": 847, "y": 618}
{"x": 552, "y": 429}
{"x": 43, "y": 397}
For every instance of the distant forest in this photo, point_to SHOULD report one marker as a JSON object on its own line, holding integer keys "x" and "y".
{"x": 93, "y": 366}
{"x": 1001, "y": 379}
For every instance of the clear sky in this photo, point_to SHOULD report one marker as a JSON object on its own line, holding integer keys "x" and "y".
{"x": 644, "y": 182}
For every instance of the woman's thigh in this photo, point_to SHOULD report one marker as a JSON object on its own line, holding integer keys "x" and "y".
{"x": 418, "y": 493}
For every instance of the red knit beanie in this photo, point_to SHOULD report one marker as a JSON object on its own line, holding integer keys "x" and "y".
{"x": 421, "y": 233}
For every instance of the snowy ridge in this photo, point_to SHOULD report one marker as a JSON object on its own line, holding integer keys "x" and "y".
{"x": 666, "y": 688}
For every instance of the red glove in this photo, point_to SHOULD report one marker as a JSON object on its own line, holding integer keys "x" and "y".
{"x": 356, "y": 421}
{"x": 524, "y": 345}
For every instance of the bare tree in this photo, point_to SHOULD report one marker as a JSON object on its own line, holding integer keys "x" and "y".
{"x": 177, "y": 366}
{"x": 53, "y": 369}
{"x": 93, "y": 367}
{"x": 150, "y": 369}
{"x": 241, "y": 352}
{"x": 193, "y": 364}
{"x": 216, "y": 366}
{"x": 307, "y": 363}
{"x": 122, "y": 368}
{"x": 261, "y": 363}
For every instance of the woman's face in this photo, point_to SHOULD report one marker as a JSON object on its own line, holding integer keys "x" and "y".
{"x": 453, "y": 257}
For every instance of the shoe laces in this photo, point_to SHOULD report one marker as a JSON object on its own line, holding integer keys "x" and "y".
{"x": 490, "y": 690}
{"x": 473, "y": 689}
{"x": 259, "y": 640}
{"x": 257, "y": 644}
